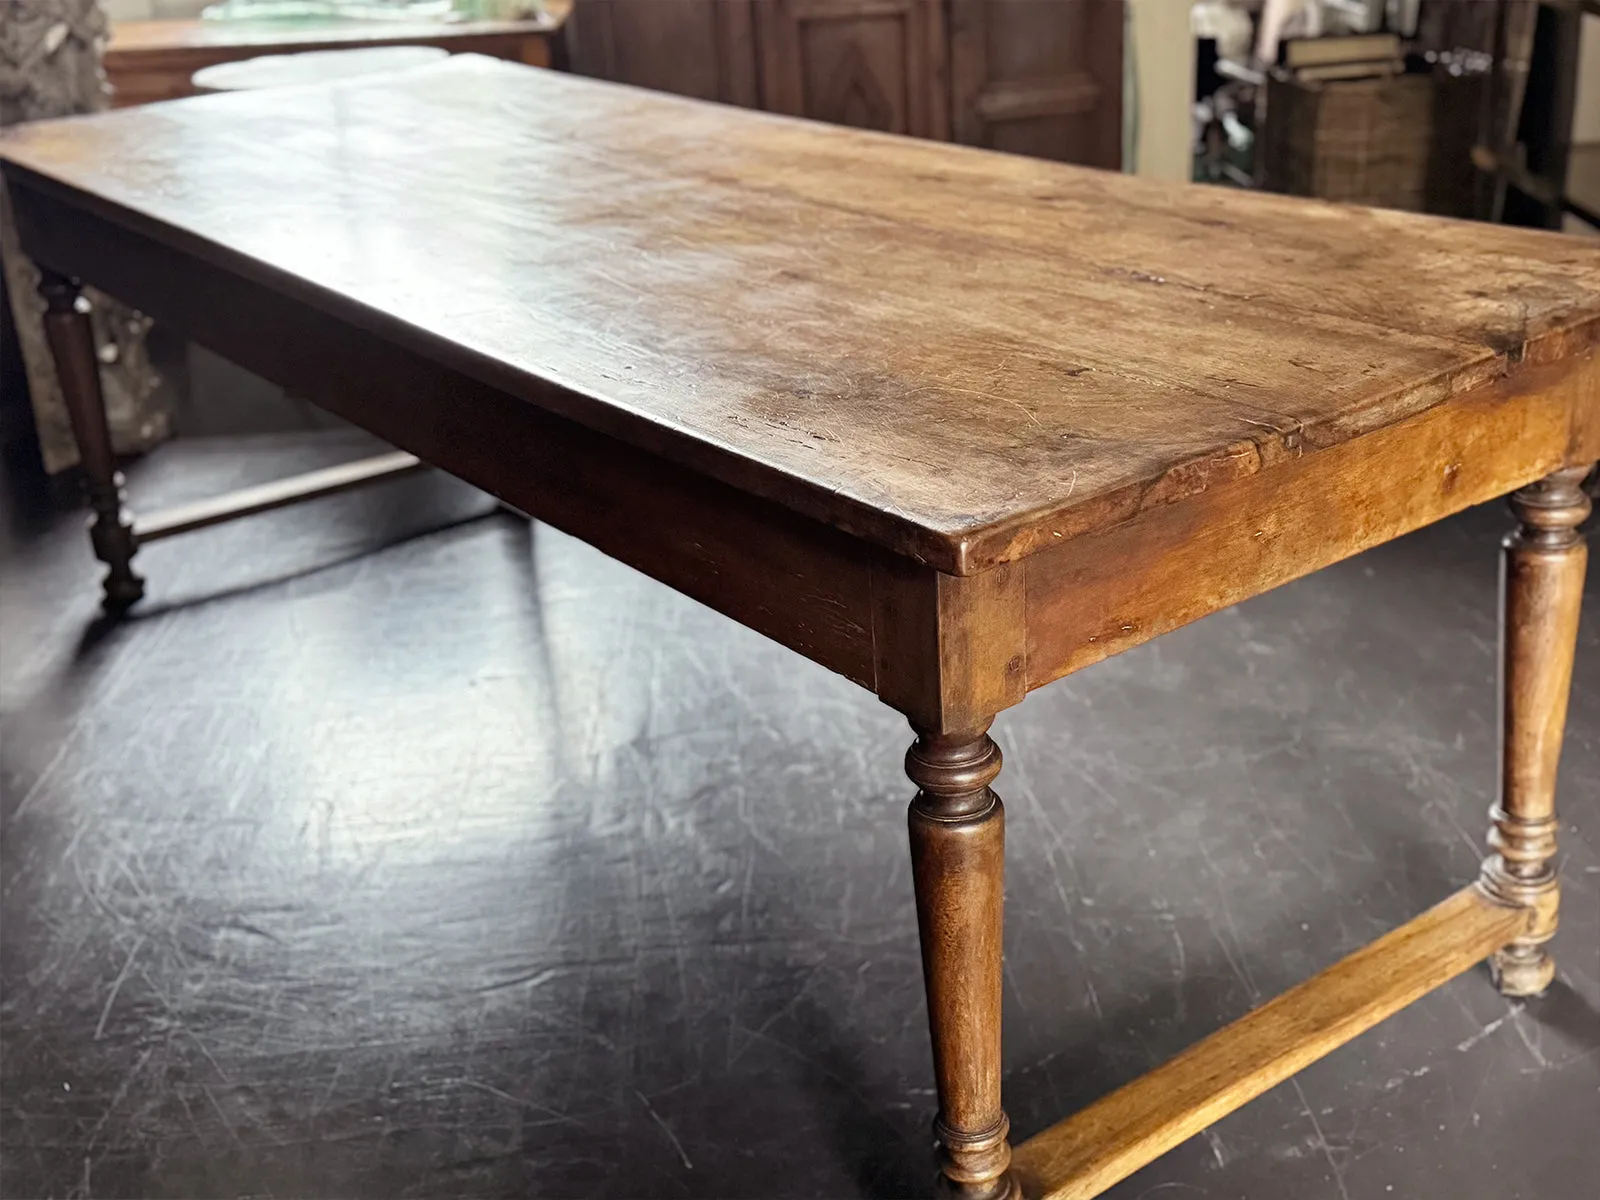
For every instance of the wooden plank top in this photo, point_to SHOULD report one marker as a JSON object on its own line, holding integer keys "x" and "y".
{"x": 959, "y": 355}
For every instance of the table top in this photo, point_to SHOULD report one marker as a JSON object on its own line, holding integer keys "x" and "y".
{"x": 313, "y": 66}
{"x": 959, "y": 355}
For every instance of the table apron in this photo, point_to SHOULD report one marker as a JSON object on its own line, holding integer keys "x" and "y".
{"x": 1106, "y": 592}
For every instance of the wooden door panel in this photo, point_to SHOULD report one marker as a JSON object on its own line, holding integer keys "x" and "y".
{"x": 1039, "y": 77}
{"x": 700, "y": 48}
{"x": 874, "y": 64}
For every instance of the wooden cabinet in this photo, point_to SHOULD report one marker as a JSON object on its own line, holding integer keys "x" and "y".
{"x": 1039, "y": 77}
{"x": 700, "y": 48}
{"x": 874, "y": 64}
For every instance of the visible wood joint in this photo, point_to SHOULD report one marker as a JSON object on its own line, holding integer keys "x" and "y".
{"x": 949, "y": 651}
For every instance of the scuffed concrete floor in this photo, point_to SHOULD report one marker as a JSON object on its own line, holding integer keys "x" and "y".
{"x": 399, "y": 849}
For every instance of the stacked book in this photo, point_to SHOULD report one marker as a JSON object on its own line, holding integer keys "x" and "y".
{"x": 1351, "y": 56}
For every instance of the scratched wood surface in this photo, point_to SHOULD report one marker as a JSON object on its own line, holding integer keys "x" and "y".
{"x": 958, "y": 355}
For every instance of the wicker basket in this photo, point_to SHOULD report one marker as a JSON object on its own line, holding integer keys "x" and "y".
{"x": 1403, "y": 141}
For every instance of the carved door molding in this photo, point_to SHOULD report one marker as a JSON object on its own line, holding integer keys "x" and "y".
{"x": 874, "y": 64}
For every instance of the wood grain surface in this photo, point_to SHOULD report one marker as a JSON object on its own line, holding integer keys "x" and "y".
{"x": 958, "y": 355}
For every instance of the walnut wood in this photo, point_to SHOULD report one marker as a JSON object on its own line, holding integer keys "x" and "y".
{"x": 957, "y": 827}
{"x": 267, "y": 496}
{"x": 1542, "y": 569}
{"x": 951, "y": 424}
{"x": 961, "y": 357}
{"x": 1091, "y": 1150}
{"x": 71, "y": 339}
{"x": 1098, "y": 595}
{"x": 1091, "y": 596}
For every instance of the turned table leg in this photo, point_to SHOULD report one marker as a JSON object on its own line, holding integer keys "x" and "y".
{"x": 1542, "y": 591}
{"x": 958, "y": 867}
{"x": 66, "y": 326}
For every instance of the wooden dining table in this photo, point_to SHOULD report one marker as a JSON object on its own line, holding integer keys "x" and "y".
{"x": 951, "y": 423}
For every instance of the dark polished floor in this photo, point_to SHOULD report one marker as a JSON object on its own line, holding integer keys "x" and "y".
{"x": 398, "y": 849}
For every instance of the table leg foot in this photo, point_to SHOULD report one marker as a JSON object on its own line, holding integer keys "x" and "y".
{"x": 67, "y": 329}
{"x": 1542, "y": 571}
{"x": 957, "y": 828}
